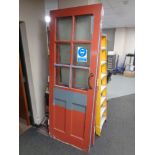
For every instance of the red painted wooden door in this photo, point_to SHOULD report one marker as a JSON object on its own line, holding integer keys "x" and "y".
{"x": 74, "y": 48}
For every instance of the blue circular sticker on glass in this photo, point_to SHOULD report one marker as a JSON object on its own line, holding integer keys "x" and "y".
{"x": 82, "y": 52}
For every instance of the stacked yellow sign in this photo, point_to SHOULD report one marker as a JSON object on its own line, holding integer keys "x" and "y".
{"x": 101, "y": 105}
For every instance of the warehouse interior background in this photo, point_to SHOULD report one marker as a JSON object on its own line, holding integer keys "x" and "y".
{"x": 119, "y": 27}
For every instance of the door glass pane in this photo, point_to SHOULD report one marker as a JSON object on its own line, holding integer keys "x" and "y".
{"x": 79, "y": 60}
{"x": 83, "y": 27}
{"x": 63, "y": 54}
{"x": 80, "y": 78}
{"x": 62, "y": 76}
{"x": 64, "y": 28}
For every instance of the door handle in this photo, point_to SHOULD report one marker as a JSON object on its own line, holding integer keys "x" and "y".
{"x": 90, "y": 76}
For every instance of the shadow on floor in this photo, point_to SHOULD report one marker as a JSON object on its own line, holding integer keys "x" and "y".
{"x": 118, "y": 134}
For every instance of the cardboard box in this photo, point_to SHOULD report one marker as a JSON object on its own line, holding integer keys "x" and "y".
{"x": 129, "y": 73}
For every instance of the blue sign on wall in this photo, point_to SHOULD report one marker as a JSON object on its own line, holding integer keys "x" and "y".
{"x": 81, "y": 54}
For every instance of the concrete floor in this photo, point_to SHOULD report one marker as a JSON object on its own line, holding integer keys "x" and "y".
{"x": 117, "y": 138}
{"x": 120, "y": 86}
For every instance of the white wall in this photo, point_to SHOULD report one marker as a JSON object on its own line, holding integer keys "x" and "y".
{"x": 74, "y": 3}
{"x": 50, "y": 5}
{"x": 71, "y": 3}
{"x": 94, "y": 1}
{"x": 124, "y": 42}
{"x": 32, "y": 12}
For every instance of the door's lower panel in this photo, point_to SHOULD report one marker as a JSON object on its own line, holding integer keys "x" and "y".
{"x": 60, "y": 118}
{"x": 69, "y": 109}
{"x": 77, "y": 124}
{"x": 69, "y": 120}
{"x": 81, "y": 144}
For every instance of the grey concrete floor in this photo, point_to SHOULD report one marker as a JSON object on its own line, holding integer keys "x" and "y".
{"x": 117, "y": 138}
{"x": 120, "y": 86}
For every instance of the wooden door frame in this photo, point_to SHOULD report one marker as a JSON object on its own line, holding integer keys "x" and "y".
{"x": 26, "y": 69}
{"x": 94, "y": 10}
{"x": 24, "y": 93}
